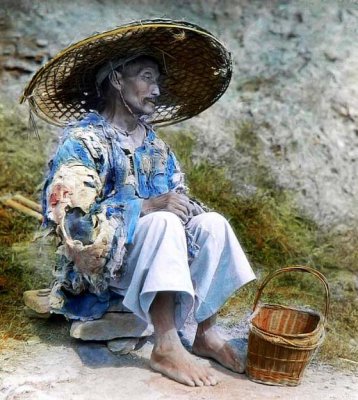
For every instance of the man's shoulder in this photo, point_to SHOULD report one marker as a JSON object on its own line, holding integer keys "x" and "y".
{"x": 157, "y": 142}
{"x": 89, "y": 133}
{"x": 90, "y": 127}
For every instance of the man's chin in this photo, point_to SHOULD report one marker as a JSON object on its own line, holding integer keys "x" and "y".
{"x": 146, "y": 110}
{"x": 149, "y": 110}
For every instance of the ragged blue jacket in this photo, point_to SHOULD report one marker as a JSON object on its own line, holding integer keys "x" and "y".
{"x": 93, "y": 197}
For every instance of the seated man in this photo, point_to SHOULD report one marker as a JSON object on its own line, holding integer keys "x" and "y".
{"x": 126, "y": 226}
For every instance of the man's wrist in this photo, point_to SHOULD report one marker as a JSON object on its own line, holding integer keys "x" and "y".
{"x": 147, "y": 207}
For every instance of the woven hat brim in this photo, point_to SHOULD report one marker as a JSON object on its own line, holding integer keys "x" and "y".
{"x": 197, "y": 70}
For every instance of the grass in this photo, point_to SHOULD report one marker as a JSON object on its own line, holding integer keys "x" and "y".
{"x": 270, "y": 228}
{"x": 22, "y": 164}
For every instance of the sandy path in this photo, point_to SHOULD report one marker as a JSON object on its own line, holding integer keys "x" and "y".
{"x": 87, "y": 371}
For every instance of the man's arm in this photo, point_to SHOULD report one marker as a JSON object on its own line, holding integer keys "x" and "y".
{"x": 70, "y": 193}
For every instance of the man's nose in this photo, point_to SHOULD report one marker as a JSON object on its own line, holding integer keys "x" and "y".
{"x": 155, "y": 90}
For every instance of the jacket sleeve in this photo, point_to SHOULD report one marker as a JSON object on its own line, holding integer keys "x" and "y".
{"x": 91, "y": 230}
{"x": 176, "y": 179}
{"x": 74, "y": 177}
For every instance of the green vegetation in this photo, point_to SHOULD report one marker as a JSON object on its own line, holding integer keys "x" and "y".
{"x": 271, "y": 229}
{"x": 22, "y": 163}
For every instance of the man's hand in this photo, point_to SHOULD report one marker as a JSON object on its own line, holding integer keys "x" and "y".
{"x": 175, "y": 203}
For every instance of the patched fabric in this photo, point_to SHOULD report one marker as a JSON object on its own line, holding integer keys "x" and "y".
{"x": 94, "y": 181}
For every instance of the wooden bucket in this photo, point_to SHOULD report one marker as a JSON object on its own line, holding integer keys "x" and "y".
{"x": 283, "y": 339}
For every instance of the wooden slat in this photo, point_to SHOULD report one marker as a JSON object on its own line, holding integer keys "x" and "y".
{"x": 20, "y": 207}
{"x": 27, "y": 202}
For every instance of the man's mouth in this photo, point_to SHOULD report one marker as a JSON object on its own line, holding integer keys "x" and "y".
{"x": 150, "y": 100}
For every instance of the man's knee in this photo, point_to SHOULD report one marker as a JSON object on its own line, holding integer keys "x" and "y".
{"x": 211, "y": 221}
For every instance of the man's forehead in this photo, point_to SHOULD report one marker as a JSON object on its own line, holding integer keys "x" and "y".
{"x": 137, "y": 66}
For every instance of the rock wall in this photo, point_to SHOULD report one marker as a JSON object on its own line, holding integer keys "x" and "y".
{"x": 289, "y": 118}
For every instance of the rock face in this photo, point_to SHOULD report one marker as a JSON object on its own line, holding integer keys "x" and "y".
{"x": 111, "y": 326}
{"x": 289, "y": 118}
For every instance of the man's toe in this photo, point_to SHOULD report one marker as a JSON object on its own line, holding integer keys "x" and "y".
{"x": 213, "y": 380}
{"x": 198, "y": 382}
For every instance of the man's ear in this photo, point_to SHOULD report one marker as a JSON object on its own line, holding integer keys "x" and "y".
{"x": 116, "y": 80}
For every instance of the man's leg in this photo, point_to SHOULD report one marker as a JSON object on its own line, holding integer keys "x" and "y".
{"x": 157, "y": 287}
{"x": 157, "y": 262}
{"x": 219, "y": 269}
{"x": 169, "y": 356}
{"x": 209, "y": 343}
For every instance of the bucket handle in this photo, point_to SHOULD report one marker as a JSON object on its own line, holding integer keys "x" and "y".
{"x": 301, "y": 268}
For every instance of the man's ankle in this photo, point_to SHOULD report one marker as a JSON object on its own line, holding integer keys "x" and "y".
{"x": 167, "y": 341}
{"x": 205, "y": 326}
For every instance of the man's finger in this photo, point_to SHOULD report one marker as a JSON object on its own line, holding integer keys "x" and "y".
{"x": 184, "y": 202}
{"x": 178, "y": 208}
{"x": 183, "y": 215}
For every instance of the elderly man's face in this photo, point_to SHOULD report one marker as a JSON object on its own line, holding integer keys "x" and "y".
{"x": 139, "y": 86}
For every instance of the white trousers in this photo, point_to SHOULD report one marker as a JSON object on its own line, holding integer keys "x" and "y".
{"x": 158, "y": 261}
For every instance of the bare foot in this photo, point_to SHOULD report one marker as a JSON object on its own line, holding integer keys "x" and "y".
{"x": 171, "y": 359}
{"x": 209, "y": 343}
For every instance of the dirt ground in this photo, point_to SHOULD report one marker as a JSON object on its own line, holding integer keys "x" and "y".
{"x": 39, "y": 371}
{"x": 74, "y": 370}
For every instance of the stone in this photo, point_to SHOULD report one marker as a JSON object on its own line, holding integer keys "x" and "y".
{"x": 95, "y": 355}
{"x": 117, "y": 306}
{"x": 42, "y": 42}
{"x": 33, "y": 340}
{"x": 8, "y": 49}
{"x": 122, "y": 346}
{"x": 111, "y": 326}
{"x": 21, "y": 66}
{"x": 33, "y": 314}
{"x": 38, "y": 300}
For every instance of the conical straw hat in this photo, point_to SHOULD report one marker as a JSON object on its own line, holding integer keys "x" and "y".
{"x": 196, "y": 71}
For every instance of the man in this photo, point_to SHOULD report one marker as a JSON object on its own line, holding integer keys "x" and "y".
{"x": 117, "y": 200}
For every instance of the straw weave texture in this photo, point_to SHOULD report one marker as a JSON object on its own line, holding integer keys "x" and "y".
{"x": 196, "y": 71}
{"x": 282, "y": 339}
